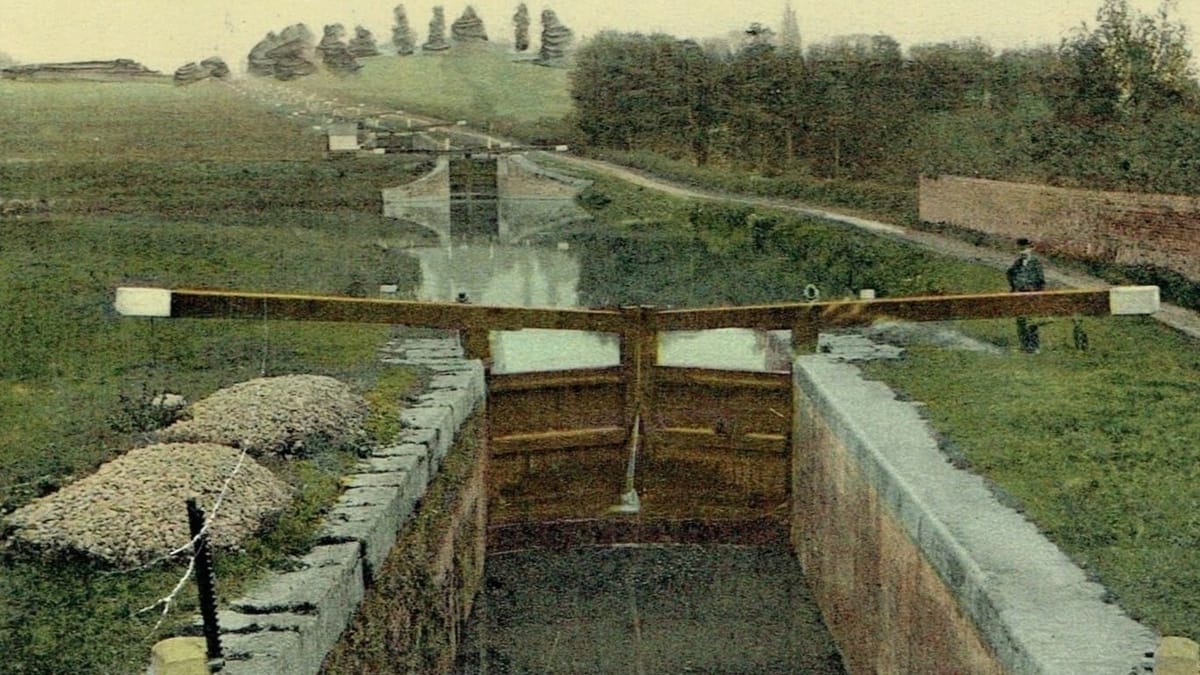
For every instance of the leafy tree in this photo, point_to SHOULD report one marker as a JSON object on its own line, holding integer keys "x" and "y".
{"x": 789, "y": 30}
{"x": 858, "y": 104}
{"x": 437, "y": 32}
{"x": 521, "y": 28}
{"x": 763, "y": 104}
{"x": 402, "y": 35}
{"x": 951, "y": 75}
{"x": 1130, "y": 63}
{"x": 637, "y": 91}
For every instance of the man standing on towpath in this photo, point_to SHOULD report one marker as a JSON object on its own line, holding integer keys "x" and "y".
{"x": 1025, "y": 275}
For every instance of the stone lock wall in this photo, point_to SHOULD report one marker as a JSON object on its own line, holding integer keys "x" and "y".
{"x": 1116, "y": 227}
{"x": 916, "y": 566}
{"x": 413, "y": 495}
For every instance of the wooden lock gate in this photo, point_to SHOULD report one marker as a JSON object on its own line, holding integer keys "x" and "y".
{"x": 713, "y": 446}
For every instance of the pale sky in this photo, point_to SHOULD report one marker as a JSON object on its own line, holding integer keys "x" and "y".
{"x": 164, "y": 34}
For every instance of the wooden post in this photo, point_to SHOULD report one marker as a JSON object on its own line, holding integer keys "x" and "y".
{"x": 630, "y": 343}
{"x": 477, "y": 344}
{"x": 1176, "y": 656}
{"x": 647, "y": 360}
{"x": 804, "y": 336}
{"x": 639, "y": 354}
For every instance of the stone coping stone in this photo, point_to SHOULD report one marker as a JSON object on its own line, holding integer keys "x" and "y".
{"x": 1031, "y": 603}
{"x": 309, "y": 589}
{"x": 439, "y": 419}
{"x": 373, "y": 515}
{"x": 240, "y": 623}
{"x": 462, "y": 402}
{"x": 424, "y": 437}
{"x": 263, "y": 653}
{"x": 391, "y": 479}
{"x": 329, "y": 589}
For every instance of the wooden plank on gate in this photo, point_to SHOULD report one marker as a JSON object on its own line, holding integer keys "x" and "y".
{"x": 545, "y": 441}
{"x": 240, "y": 305}
{"x": 723, "y": 378}
{"x": 923, "y": 308}
{"x": 700, "y": 439}
{"x": 555, "y": 379}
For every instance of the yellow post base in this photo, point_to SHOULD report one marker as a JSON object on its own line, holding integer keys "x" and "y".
{"x": 179, "y": 656}
{"x": 1177, "y": 656}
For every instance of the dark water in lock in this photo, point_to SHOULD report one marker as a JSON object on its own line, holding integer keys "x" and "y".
{"x": 647, "y": 610}
{"x": 641, "y": 610}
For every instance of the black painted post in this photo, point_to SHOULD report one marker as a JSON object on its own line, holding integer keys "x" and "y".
{"x": 206, "y": 584}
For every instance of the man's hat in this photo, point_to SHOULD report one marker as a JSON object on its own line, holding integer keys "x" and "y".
{"x": 1023, "y": 242}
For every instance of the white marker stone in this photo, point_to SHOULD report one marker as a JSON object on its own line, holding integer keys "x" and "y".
{"x": 1125, "y": 300}
{"x": 143, "y": 301}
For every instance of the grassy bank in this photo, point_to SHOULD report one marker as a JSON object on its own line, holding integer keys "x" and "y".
{"x": 664, "y": 250}
{"x": 485, "y": 85}
{"x": 146, "y": 184}
{"x": 1097, "y": 447}
{"x": 894, "y": 203}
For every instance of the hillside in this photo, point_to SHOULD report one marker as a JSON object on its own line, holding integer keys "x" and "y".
{"x": 487, "y": 85}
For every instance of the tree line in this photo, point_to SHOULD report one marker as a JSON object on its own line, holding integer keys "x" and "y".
{"x": 1116, "y": 105}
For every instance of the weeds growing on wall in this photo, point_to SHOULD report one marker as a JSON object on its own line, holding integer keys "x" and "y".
{"x": 405, "y": 623}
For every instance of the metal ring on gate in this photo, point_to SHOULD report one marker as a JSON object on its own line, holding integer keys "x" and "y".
{"x": 812, "y": 293}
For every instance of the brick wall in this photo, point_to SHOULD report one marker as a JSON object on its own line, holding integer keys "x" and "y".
{"x": 1119, "y": 227}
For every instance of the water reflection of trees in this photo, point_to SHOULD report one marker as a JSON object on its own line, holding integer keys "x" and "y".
{"x": 677, "y": 271}
{"x": 498, "y": 274}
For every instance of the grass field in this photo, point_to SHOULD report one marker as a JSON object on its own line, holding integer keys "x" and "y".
{"x": 79, "y": 121}
{"x": 231, "y": 195}
{"x": 485, "y": 85}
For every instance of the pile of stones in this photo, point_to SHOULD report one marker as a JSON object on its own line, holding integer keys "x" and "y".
{"x": 133, "y": 509}
{"x": 213, "y": 67}
{"x": 290, "y": 415}
{"x": 285, "y": 56}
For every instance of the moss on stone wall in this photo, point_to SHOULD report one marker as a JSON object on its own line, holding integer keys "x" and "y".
{"x": 410, "y": 620}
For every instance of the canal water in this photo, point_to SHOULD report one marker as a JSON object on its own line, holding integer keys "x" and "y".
{"x": 652, "y": 610}
{"x": 489, "y": 273}
{"x": 634, "y": 609}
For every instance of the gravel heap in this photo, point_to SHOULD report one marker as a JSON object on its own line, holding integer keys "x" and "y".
{"x": 287, "y": 415}
{"x": 133, "y": 509}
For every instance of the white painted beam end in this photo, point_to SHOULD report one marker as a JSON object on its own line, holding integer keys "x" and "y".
{"x": 133, "y": 301}
{"x": 1126, "y": 300}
